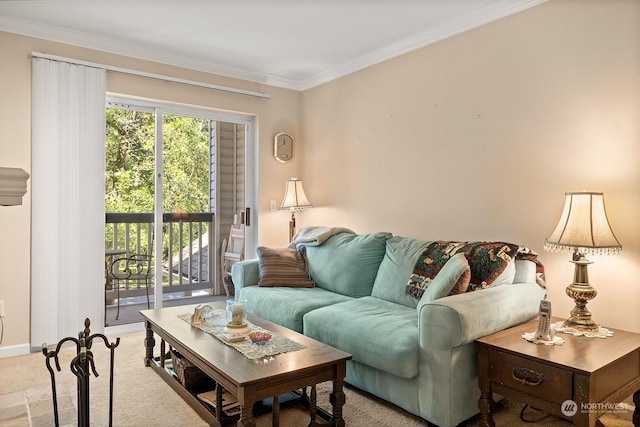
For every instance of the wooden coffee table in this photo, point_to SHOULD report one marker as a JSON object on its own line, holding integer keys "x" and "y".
{"x": 248, "y": 380}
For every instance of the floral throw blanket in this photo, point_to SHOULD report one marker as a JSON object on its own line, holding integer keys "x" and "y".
{"x": 487, "y": 261}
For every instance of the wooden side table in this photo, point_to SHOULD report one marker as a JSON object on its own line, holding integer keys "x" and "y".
{"x": 579, "y": 380}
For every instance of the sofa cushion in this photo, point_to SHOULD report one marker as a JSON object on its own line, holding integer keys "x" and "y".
{"x": 401, "y": 254}
{"x": 378, "y": 333}
{"x": 347, "y": 263}
{"x": 525, "y": 271}
{"x": 488, "y": 262}
{"x": 286, "y": 306}
{"x": 526, "y": 254}
{"x": 505, "y": 278}
{"x": 283, "y": 267}
{"x": 453, "y": 279}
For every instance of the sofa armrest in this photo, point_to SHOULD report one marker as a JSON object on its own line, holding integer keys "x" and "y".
{"x": 457, "y": 320}
{"x": 245, "y": 273}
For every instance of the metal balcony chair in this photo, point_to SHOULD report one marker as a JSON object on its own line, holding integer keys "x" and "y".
{"x": 136, "y": 269}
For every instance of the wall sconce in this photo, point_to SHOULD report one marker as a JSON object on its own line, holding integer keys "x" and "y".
{"x": 584, "y": 229}
{"x": 13, "y": 185}
{"x": 294, "y": 200}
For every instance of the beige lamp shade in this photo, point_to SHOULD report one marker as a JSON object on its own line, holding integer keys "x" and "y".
{"x": 13, "y": 185}
{"x": 294, "y": 197}
{"x": 583, "y": 229}
{"x": 583, "y": 226}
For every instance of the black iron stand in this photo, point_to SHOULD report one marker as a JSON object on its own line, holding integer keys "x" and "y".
{"x": 80, "y": 366}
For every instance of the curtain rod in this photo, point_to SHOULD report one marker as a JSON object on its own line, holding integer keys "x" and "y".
{"x": 151, "y": 75}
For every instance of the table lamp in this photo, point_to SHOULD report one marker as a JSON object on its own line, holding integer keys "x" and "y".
{"x": 294, "y": 200}
{"x": 583, "y": 229}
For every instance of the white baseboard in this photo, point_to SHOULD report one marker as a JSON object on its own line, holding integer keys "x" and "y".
{"x": 15, "y": 350}
{"x": 22, "y": 349}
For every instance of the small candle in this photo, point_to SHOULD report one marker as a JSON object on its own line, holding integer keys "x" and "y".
{"x": 236, "y": 314}
{"x": 236, "y": 308}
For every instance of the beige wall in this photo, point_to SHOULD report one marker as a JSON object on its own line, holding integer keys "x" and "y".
{"x": 479, "y": 136}
{"x": 280, "y": 113}
{"x": 475, "y": 137}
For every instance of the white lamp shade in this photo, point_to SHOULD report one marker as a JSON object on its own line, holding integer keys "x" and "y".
{"x": 13, "y": 185}
{"x": 583, "y": 226}
{"x": 294, "y": 197}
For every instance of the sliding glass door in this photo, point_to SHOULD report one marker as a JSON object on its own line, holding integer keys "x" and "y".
{"x": 179, "y": 165}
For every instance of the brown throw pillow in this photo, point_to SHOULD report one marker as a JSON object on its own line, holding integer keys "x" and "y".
{"x": 462, "y": 284}
{"x": 283, "y": 267}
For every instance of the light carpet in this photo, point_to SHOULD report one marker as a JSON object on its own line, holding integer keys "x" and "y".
{"x": 142, "y": 398}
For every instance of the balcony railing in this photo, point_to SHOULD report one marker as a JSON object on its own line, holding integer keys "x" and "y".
{"x": 187, "y": 261}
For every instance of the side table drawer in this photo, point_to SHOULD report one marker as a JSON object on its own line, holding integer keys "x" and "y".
{"x": 531, "y": 377}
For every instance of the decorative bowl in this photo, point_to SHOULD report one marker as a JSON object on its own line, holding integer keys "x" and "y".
{"x": 259, "y": 338}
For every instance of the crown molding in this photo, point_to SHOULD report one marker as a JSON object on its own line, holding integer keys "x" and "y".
{"x": 121, "y": 47}
{"x": 482, "y": 15}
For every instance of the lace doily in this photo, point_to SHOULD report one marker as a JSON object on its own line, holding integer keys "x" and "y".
{"x": 215, "y": 323}
{"x": 600, "y": 333}
{"x": 531, "y": 337}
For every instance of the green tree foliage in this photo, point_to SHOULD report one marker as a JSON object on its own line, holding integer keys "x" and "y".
{"x": 186, "y": 164}
{"x": 129, "y": 176}
{"x": 130, "y": 169}
{"x": 129, "y": 183}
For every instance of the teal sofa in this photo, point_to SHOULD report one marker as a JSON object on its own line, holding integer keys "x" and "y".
{"x": 416, "y": 353}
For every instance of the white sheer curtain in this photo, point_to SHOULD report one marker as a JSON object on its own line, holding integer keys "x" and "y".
{"x": 67, "y": 191}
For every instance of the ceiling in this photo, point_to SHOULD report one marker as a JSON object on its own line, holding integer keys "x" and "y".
{"x": 296, "y": 44}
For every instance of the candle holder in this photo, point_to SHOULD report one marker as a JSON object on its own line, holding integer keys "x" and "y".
{"x": 236, "y": 314}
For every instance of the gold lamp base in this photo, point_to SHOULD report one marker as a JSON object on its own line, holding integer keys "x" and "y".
{"x": 581, "y": 292}
{"x": 292, "y": 226}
